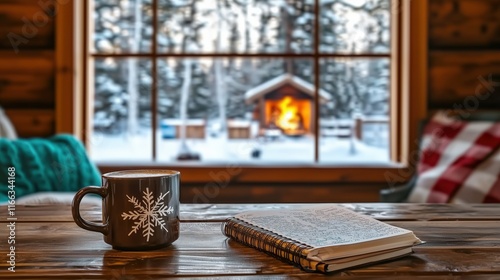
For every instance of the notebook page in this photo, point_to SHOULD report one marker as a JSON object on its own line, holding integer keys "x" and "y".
{"x": 321, "y": 225}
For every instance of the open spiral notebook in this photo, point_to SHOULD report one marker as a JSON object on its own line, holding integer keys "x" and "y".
{"x": 322, "y": 238}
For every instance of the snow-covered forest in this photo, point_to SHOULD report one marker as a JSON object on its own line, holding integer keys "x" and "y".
{"x": 213, "y": 88}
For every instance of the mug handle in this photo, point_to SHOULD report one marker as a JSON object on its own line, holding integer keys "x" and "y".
{"x": 75, "y": 209}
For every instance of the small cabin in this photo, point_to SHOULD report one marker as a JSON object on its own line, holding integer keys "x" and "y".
{"x": 286, "y": 103}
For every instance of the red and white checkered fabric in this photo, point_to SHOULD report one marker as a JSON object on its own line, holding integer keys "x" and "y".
{"x": 459, "y": 162}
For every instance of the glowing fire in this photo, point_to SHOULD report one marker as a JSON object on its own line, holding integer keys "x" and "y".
{"x": 289, "y": 119}
{"x": 290, "y": 115}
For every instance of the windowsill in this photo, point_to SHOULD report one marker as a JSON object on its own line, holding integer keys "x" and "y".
{"x": 201, "y": 172}
{"x": 277, "y": 164}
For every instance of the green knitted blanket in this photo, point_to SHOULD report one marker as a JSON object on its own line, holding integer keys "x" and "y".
{"x": 58, "y": 163}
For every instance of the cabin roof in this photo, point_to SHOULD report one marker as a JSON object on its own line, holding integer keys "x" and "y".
{"x": 254, "y": 93}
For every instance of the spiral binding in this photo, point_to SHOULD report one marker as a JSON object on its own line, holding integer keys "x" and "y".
{"x": 278, "y": 246}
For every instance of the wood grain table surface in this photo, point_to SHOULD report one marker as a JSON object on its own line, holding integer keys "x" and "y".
{"x": 462, "y": 242}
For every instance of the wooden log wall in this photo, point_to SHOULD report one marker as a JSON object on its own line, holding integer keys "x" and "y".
{"x": 464, "y": 55}
{"x": 27, "y": 65}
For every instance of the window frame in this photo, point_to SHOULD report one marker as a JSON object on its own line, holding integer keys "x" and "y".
{"x": 408, "y": 86}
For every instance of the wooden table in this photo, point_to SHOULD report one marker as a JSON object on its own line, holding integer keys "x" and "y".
{"x": 462, "y": 240}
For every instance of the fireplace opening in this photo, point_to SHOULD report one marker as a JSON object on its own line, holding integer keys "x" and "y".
{"x": 292, "y": 116}
{"x": 285, "y": 106}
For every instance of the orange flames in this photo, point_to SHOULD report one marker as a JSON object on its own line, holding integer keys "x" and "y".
{"x": 289, "y": 119}
{"x": 290, "y": 115}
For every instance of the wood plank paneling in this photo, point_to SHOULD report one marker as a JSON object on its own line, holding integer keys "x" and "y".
{"x": 32, "y": 123}
{"x": 467, "y": 234}
{"x": 27, "y": 79}
{"x": 404, "y": 212}
{"x": 27, "y": 23}
{"x": 467, "y": 80}
{"x": 464, "y": 23}
{"x": 458, "y": 246}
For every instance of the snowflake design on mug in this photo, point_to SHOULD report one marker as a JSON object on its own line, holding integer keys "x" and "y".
{"x": 148, "y": 213}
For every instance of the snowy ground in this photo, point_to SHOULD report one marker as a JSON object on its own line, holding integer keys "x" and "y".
{"x": 219, "y": 149}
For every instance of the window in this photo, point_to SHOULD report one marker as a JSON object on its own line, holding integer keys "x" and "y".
{"x": 252, "y": 81}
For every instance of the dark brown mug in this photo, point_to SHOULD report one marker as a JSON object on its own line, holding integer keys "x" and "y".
{"x": 140, "y": 209}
